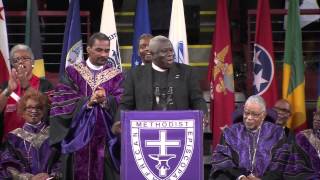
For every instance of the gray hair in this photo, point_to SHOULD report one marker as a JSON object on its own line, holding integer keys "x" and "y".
{"x": 257, "y": 100}
{"x": 155, "y": 40}
{"x": 20, "y": 47}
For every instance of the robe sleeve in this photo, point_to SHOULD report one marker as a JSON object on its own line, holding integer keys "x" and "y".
{"x": 12, "y": 163}
{"x": 290, "y": 162}
{"x": 224, "y": 163}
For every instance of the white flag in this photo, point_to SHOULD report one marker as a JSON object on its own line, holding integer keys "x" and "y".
{"x": 177, "y": 33}
{"x": 108, "y": 27}
{"x": 304, "y": 19}
{"x": 4, "y": 50}
{"x": 308, "y": 19}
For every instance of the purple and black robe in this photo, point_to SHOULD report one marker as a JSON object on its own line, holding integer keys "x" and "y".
{"x": 27, "y": 152}
{"x": 309, "y": 141}
{"x": 275, "y": 156}
{"x": 83, "y": 134}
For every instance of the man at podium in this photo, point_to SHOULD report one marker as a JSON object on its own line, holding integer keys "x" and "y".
{"x": 162, "y": 84}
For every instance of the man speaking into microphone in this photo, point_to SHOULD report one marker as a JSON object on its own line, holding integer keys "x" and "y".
{"x": 162, "y": 84}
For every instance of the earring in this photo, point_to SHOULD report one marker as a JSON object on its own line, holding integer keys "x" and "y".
{"x": 32, "y": 65}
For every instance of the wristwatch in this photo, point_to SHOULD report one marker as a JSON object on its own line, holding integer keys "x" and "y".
{"x": 6, "y": 92}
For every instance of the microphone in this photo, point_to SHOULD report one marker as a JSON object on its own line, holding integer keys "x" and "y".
{"x": 157, "y": 93}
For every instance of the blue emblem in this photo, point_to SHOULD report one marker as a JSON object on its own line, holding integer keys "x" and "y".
{"x": 114, "y": 58}
{"x": 180, "y": 55}
{"x": 263, "y": 70}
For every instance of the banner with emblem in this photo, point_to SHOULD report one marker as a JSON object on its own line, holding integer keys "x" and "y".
{"x": 177, "y": 32}
{"x": 221, "y": 74}
{"x": 264, "y": 83}
{"x": 72, "y": 51}
{"x": 108, "y": 27}
{"x": 161, "y": 145}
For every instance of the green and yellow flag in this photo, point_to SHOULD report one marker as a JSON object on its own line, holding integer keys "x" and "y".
{"x": 33, "y": 37}
{"x": 293, "y": 69}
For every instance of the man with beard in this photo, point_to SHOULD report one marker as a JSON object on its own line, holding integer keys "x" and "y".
{"x": 82, "y": 115}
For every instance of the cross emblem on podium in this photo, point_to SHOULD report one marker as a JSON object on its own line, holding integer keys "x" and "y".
{"x": 162, "y": 157}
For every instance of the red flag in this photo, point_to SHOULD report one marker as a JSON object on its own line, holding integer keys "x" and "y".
{"x": 221, "y": 74}
{"x": 263, "y": 61}
{"x": 4, "y": 52}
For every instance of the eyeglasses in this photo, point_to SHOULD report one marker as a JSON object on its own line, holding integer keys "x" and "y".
{"x": 282, "y": 110}
{"x": 32, "y": 108}
{"x": 20, "y": 59}
{"x": 252, "y": 113}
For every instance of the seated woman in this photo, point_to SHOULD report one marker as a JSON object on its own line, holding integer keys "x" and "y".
{"x": 309, "y": 141}
{"x": 26, "y": 153}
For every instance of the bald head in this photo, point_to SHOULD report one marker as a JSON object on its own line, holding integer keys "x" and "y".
{"x": 162, "y": 52}
{"x": 283, "y": 109}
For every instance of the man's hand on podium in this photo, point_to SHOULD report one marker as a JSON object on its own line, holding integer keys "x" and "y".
{"x": 116, "y": 128}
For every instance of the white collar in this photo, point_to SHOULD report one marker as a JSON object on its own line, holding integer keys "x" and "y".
{"x": 92, "y": 66}
{"x": 157, "y": 68}
{"x": 34, "y": 125}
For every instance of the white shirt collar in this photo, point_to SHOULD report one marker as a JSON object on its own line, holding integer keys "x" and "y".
{"x": 157, "y": 68}
{"x": 92, "y": 66}
{"x": 34, "y": 125}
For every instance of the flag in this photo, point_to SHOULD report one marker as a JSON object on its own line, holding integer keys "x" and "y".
{"x": 264, "y": 83}
{"x": 221, "y": 74}
{"x": 72, "y": 51}
{"x": 305, "y": 19}
{"x": 293, "y": 69}
{"x": 33, "y": 37}
{"x": 141, "y": 26}
{"x": 308, "y": 19}
{"x": 177, "y": 32}
{"x": 108, "y": 27}
{"x": 4, "y": 51}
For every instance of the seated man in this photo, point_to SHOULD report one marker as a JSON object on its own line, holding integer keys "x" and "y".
{"x": 27, "y": 153}
{"x": 246, "y": 148}
{"x": 309, "y": 141}
{"x": 283, "y": 109}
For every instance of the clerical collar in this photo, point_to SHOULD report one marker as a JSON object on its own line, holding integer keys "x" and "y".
{"x": 34, "y": 125}
{"x": 92, "y": 66}
{"x": 157, "y": 68}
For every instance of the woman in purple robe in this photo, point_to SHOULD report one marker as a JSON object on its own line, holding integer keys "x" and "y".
{"x": 26, "y": 153}
{"x": 309, "y": 141}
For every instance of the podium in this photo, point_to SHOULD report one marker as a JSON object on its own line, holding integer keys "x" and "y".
{"x": 161, "y": 145}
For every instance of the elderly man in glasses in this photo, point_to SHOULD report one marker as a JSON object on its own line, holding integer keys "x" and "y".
{"x": 257, "y": 149}
{"x": 21, "y": 79}
{"x": 246, "y": 148}
{"x": 283, "y": 109}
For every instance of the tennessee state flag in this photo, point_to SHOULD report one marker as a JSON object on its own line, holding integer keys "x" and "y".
{"x": 221, "y": 74}
{"x": 264, "y": 83}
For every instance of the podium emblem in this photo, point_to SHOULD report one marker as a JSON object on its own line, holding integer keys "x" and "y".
{"x": 162, "y": 149}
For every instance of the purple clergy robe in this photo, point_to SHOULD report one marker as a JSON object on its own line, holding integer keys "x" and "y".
{"x": 89, "y": 130}
{"x": 27, "y": 152}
